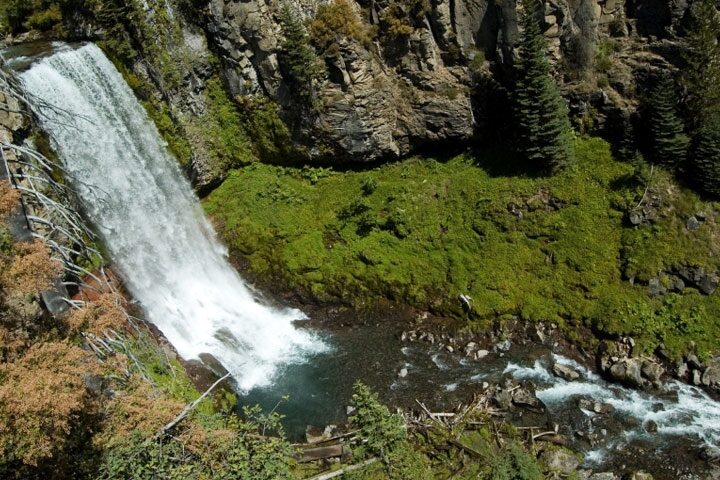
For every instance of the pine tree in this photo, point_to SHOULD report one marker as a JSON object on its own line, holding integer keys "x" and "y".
{"x": 669, "y": 142}
{"x": 298, "y": 61}
{"x": 705, "y": 155}
{"x": 542, "y": 118}
{"x": 701, "y": 77}
{"x": 702, "y": 83}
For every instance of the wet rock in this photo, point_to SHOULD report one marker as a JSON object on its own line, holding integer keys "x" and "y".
{"x": 597, "y": 407}
{"x": 692, "y": 223}
{"x": 650, "y": 426}
{"x": 652, "y": 370}
{"x": 503, "y": 346}
{"x": 403, "y": 373}
{"x": 470, "y": 348}
{"x": 349, "y": 410}
{"x": 449, "y": 348}
{"x": 563, "y": 371}
{"x": 560, "y": 461}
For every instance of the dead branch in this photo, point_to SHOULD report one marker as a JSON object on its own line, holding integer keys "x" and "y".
{"x": 189, "y": 408}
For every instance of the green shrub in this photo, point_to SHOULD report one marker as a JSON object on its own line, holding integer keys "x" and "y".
{"x": 336, "y": 20}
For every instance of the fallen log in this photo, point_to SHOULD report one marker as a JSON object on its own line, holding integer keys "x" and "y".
{"x": 321, "y": 453}
{"x": 342, "y": 471}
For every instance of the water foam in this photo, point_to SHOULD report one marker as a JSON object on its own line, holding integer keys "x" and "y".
{"x": 152, "y": 223}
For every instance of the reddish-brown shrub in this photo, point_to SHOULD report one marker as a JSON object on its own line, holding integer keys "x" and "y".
{"x": 9, "y": 199}
{"x": 44, "y": 401}
{"x": 105, "y": 312}
{"x": 32, "y": 270}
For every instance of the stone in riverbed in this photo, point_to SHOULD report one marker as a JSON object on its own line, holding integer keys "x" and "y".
{"x": 563, "y": 371}
{"x": 597, "y": 407}
{"x": 403, "y": 373}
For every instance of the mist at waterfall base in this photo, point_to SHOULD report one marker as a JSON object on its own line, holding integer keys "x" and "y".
{"x": 152, "y": 224}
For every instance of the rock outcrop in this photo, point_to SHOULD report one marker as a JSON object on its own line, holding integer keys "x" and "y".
{"x": 425, "y": 74}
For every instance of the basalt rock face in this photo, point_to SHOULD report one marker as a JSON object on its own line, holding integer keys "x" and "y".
{"x": 431, "y": 86}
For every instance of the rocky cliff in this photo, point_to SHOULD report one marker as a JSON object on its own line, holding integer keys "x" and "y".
{"x": 408, "y": 75}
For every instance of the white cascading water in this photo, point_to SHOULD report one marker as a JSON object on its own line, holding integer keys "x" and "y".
{"x": 152, "y": 223}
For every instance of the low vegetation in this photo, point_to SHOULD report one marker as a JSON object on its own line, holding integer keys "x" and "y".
{"x": 557, "y": 249}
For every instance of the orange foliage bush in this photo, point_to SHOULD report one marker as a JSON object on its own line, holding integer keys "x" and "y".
{"x": 44, "y": 401}
{"x": 32, "y": 270}
{"x": 106, "y": 312}
{"x": 138, "y": 408}
{"x": 9, "y": 199}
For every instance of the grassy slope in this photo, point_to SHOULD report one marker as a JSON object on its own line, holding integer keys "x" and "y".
{"x": 423, "y": 232}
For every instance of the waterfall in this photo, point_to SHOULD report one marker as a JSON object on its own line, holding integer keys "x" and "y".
{"x": 152, "y": 224}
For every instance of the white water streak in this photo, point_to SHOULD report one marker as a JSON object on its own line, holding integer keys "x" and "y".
{"x": 152, "y": 223}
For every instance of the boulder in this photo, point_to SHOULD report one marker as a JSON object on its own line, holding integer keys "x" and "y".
{"x": 627, "y": 371}
{"x": 524, "y": 397}
{"x": 692, "y": 223}
{"x": 711, "y": 375}
{"x": 652, "y": 370}
{"x": 565, "y": 372}
{"x": 560, "y": 461}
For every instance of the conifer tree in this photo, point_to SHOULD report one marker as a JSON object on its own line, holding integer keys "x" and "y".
{"x": 702, "y": 83}
{"x": 542, "y": 118}
{"x": 669, "y": 142}
{"x": 298, "y": 61}
{"x": 705, "y": 155}
{"x": 701, "y": 77}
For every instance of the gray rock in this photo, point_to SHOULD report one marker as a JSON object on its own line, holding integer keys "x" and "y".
{"x": 696, "y": 377}
{"x": 711, "y": 375}
{"x": 560, "y": 461}
{"x": 480, "y": 354}
{"x": 597, "y": 407}
{"x": 708, "y": 284}
{"x": 563, "y": 371}
{"x": 640, "y": 476}
{"x": 403, "y": 373}
{"x": 636, "y": 218}
{"x": 627, "y": 371}
{"x": 655, "y": 288}
{"x": 692, "y": 223}
{"x": 652, "y": 370}
{"x": 525, "y": 397}
{"x": 603, "y": 476}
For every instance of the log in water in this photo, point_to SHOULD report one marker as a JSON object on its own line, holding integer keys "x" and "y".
{"x": 152, "y": 224}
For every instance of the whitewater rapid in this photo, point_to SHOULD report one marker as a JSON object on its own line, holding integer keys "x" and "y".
{"x": 151, "y": 222}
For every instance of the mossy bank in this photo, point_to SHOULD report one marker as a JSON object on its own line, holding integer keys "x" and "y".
{"x": 423, "y": 232}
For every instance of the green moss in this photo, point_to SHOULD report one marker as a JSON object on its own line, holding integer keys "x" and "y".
{"x": 429, "y": 231}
